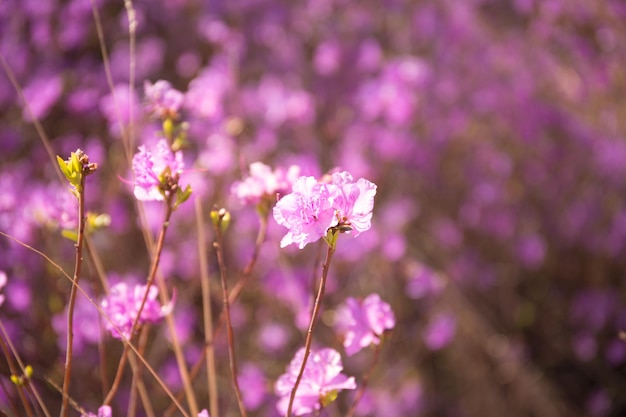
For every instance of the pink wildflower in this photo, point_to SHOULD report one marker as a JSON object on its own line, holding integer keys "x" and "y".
{"x": 353, "y": 201}
{"x": 363, "y": 323}
{"x": 307, "y": 212}
{"x": 162, "y": 100}
{"x": 313, "y": 208}
{"x": 123, "y": 303}
{"x": 153, "y": 170}
{"x": 263, "y": 182}
{"x": 322, "y": 378}
{"x": 203, "y": 413}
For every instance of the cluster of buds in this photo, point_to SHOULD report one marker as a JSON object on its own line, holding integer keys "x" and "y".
{"x": 76, "y": 168}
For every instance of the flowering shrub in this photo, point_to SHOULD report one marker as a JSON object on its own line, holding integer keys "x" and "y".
{"x": 489, "y": 133}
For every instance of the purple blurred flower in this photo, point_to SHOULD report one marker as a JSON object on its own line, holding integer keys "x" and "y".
{"x": 150, "y": 168}
{"x": 86, "y": 329}
{"x": 253, "y": 387}
{"x": 322, "y": 376}
{"x": 123, "y": 303}
{"x": 206, "y": 92}
{"x": 118, "y": 106}
{"x": 263, "y": 182}
{"x": 41, "y": 94}
{"x": 162, "y": 100}
{"x": 3, "y": 282}
{"x": 363, "y": 323}
{"x": 307, "y": 212}
{"x": 104, "y": 411}
{"x": 203, "y": 413}
{"x": 440, "y": 331}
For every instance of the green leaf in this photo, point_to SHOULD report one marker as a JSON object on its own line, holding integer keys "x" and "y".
{"x": 69, "y": 234}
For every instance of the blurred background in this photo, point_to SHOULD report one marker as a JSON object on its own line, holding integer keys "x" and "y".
{"x": 494, "y": 129}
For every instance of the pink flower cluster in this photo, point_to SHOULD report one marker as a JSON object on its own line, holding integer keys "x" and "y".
{"x": 363, "y": 323}
{"x": 150, "y": 169}
{"x": 313, "y": 208}
{"x": 123, "y": 303}
{"x": 265, "y": 183}
{"x": 322, "y": 376}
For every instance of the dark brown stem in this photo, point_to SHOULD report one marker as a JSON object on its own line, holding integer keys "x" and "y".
{"x": 229, "y": 329}
{"x": 366, "y": 379}
{"x": 151, "y": 277}
{"x": 72, "y": 302}
{"x": 309, "y": 335}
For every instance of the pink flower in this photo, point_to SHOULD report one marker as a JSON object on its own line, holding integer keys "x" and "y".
{"x": 203, "y": 413}
{"x": 123, "y": 303}
{"x": 152, "y": 169}
{"x": 161, "y": 99}
{"x": 313, "y": 208}
{"x": 263, "y": 182}
{"x": 322, "y": 376}
{"x": 353, "y": 201}
{"x": 104, "y": 411}
{"x": 440, "y": 331}
{"x": 307, "y": 212}
{"x": 364, "y": 322}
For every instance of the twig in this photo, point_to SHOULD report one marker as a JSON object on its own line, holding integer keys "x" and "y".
{"x": 32, "y": 388}
{"x": 15, "y": 371}
{"x": 231, "y": 342}
{"x": 209, "y": 352}
{"x": 80, "y": 192}
{"x": 151, "y": 278}
{"x": 314, "y": 314}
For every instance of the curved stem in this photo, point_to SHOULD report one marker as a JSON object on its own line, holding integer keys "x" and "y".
{"x": 309, "y": 335}
{"x": 72, "y": 302}
{"x": 151, "y": 277}
{"x": 229, "y": 328}
{"x": 366, "y": 379}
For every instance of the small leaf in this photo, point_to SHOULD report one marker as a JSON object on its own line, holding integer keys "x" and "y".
{"x": 329, "y": 398}
{"x": 70, "y": 234}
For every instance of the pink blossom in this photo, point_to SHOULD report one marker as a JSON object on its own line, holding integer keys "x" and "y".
{"x": 203, "y": 413}
{"x": 123, "y": 303}
{"x": 149, "y": 169}
{"x": 313, "y": 208}
{"x": 322, "y": 375}
{"x": 263, "y": 182}
{"x": 363, "y": 323}
{"x": 353, "y": 201}
{"x": 161, "y": 99}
